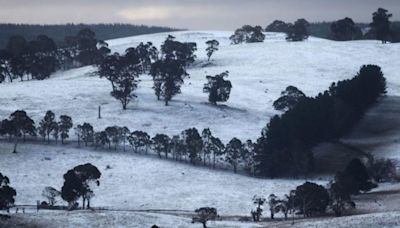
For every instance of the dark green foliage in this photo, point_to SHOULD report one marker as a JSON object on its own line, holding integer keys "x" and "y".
{"x": 175, "y": 50}
{"x": 64, "y": 125}
{"x": 139, "y": 139}
{"x": 160, "y": 144}
{"x": 298, "y": 31}
{"x": 311, "y": 199}
{"x": 193, "y": 144}
{"x": 212, "y": 46}
{"x": 7, "y": 193}
{"x": 218, "y": 88}
{"x": 289, "y": 99}
{"x": 381, "y": 25}
{"x": 47, "y": 125}
{"x": 233, "y": 152}
{"x": 277, "y": 26}
{"x": 122, "y": 72}
{"x": 76, "y": 184}
{"x": 286, "y": 143}
{"x": 22, "y": 124}
{"x": 168, "y": 75}
{"x": 101, "y": 139}
{"x": 355, "y": 178}
{"x": 248, "y": 34}
{"x": 85, "y": 133}
{"x": 345, "y": 29}
{"x": 205, "y": 214}
{"x": 59, "y": 32}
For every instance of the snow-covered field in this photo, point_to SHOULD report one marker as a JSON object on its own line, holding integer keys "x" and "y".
{"x": 259, "y": 72}
{"x": 136, "y": 182}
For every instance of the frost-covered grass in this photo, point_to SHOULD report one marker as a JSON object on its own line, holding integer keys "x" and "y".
{"x": 259, "y": 72}
{"x": 136, "y": 182}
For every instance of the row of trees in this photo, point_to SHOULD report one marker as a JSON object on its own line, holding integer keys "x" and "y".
{"x": 190, "y": 145}
{"x": 39, "y": 58}
{"x": 341, "y": 30}
{"x": 285, "y": 147}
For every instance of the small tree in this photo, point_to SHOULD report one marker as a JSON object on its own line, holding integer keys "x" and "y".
{"x": 289, "y": 99}
{"x": 78, "y": 183}
{"x": 47, "y": 125}
{"x": 205, "y": 214}
{"x": 355, "y": 178}
{"x": 85, "y": 132}
{"x": 298, "y": 31}
{"x": 311, "y": 198}
{"x": 20, "y": 126}
{"x": 233, "y": 151}
{"x": 248, "y": 34}
{"x": 217, "y": 148}
{"x": 345, "y": 29}
{"x": 101, "y": 139}
{"x": 193, "y": 144}
{"x": 218, "y": 88}
{"x": 381, "y": 24}
{"x": 64, "y": 125}
{"x": 168, "y": 75}
{"x": 383, "y": 170}
{"x": 139, "y": 139}
{"x": 122, "y": 72}
{"x": 7, "y": 193}
{"x": 50, "y": 194}
{"x": 248, "y": 155}
{"x": 277, "y": 26}
{"x": 212, "y": 46}
{"x": 259, "y": 202}
{"x": 161, "y": 144}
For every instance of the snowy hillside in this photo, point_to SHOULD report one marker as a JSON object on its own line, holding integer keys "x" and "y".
{"x": 259, "y": 72}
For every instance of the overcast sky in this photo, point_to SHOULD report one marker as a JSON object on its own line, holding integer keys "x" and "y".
{"x": 191, "y": 14}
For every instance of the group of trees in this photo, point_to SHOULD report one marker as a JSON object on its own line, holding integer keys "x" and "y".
{"x": 59, "y": 32}
{"x": 310, "y": 199}
{"x": 167, "y": 67}
{"x": 58, "y": 129}
{"x": 39, "y": 58}
{"x": 19, "y": 125}
{"x": 285, "y": 147}
{"x": 341, "y": 30}
{"x": 248, "y": 34}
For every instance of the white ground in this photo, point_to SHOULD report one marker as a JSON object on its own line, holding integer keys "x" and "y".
{"x": 259, "y": 72}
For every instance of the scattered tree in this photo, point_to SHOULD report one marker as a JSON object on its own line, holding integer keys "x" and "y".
{"x": 218, "y": 88}
{"x": 212, "y": 46}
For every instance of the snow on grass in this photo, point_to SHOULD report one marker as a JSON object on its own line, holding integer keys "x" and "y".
{"x": 259, "y": 72}
{"x": 136, "y": 182}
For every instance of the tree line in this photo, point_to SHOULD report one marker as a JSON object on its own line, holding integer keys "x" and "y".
{"x": 285, "y": 145}
{"x": 381, "y": 28}
{"x": 190, "y": 146}
{"x": 39, "y": 58}
{"x": 59, "y": 32}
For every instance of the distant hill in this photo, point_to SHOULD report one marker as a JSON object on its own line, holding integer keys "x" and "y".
{"x": 59, "y": 32}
